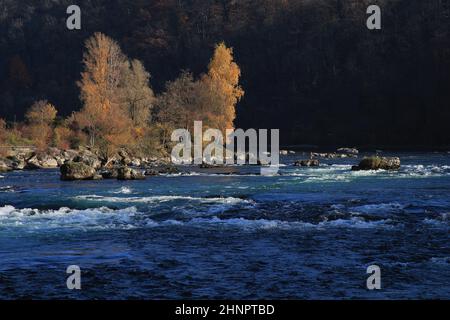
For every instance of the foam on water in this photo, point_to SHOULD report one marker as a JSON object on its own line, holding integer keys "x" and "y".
{"x": 162, "y": 198}
{"x": 338, "y": 172}
{"x": 7, "y": 189}
{"x": 265, "y": 224}
{"x": 426, "y": 170}
{"x": 130, "y": 218}
{"x": 391, "y": 207}
{"x": 124, "y": 190}
{"x": 66, "y": 218}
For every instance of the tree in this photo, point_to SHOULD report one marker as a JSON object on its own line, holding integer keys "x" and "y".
{"x": 137, "y": 96}
{"x": 221, "y": 90}
{"x": 178, "y": 106}
{"x": 103, "y": 64}
{"x": 40, "y": 118}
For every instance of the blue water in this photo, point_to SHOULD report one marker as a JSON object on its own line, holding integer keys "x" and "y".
{"x": 305, "y": 233}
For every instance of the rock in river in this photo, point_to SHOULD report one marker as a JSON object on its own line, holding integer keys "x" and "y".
{"x": 307, "y": 163}
{"x": 377, "y": 163}
{"x": 126, "y": 173}
{"x": 71, "y": 171}
{"x": 5, "y": 166}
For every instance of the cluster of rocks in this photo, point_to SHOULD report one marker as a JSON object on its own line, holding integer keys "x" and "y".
{"x": 307, "y": 163}
{"x": 378, "y": 163}
{"x": 340, "y": 153}
{"x": 83, "y": 164}
{"x": 26, "y": 159}
{"x": 120, "y": 167}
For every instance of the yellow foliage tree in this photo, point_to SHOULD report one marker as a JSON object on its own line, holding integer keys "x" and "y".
{"x": 221, "y": 89}
{"x": 103, "y": 116}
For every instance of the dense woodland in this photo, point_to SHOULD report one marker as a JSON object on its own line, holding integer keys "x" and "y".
{"x": 308, "y": 67}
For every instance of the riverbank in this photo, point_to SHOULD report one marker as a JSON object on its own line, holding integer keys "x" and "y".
{"x": 85, "y": 164}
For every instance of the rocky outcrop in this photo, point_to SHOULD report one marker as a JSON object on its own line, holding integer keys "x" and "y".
{"x": 69, "y": 155}
{"x": 88, "y": 158}
{"x": 307, "y": 163}
{"x": 127, "y": 173}
{"x": 18, "y": 164}
{"x": 20, "y": 159}
{"x": 71, "y": 171}
{"x": 110, "y": 173}
{"x": 5, "y": 166}
{"x": 41, "y": 161}
{"x": 378, "y": 163}
{"x": 124, "y": 158}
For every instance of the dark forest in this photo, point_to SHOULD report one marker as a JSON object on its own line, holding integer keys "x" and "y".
{"x": 309, "y": 67}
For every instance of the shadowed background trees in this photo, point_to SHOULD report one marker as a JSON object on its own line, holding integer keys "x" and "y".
{"x": 310, "y": 68}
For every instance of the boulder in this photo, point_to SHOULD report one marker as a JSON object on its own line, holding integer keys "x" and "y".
{"x": 307, "y": 163}
{"x": 42, "y": 161}
{"x": 16, "y": 162}
{"x": 126, "y": 173}
{"x": 33, "y": 163}
{"x": 69, "y": 155}
{"x": 124, "y": 158}
{"x": 97, "y": 177}
{"x": 60, "y": 160}
{"x": 110, "y": 173}
{"x": 71, "y": 171}
{"x": 47, "y": 161}
{"x": 378, "y": 163}
{"x": 89, "y": 159}
{"x": 19, "y": 164}
{"x": 5, "y": 165}
{"x": 136, "y": 162}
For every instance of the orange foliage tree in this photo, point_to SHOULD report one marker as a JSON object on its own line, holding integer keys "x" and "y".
{"x": 221, "y": 90}
{"x": 102, "y": 116}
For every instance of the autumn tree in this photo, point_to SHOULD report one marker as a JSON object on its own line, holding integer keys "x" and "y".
{"x": 137, "y": 96}
{"x": 220, "y": 88}
{"x": 103, "y": 116}
{"x": 40, "y": 118}
{"x": 177, "y": 107}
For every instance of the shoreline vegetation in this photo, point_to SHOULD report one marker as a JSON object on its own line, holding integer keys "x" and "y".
{"x": 123, "y": 125}
{"x": 120, "y": 112}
